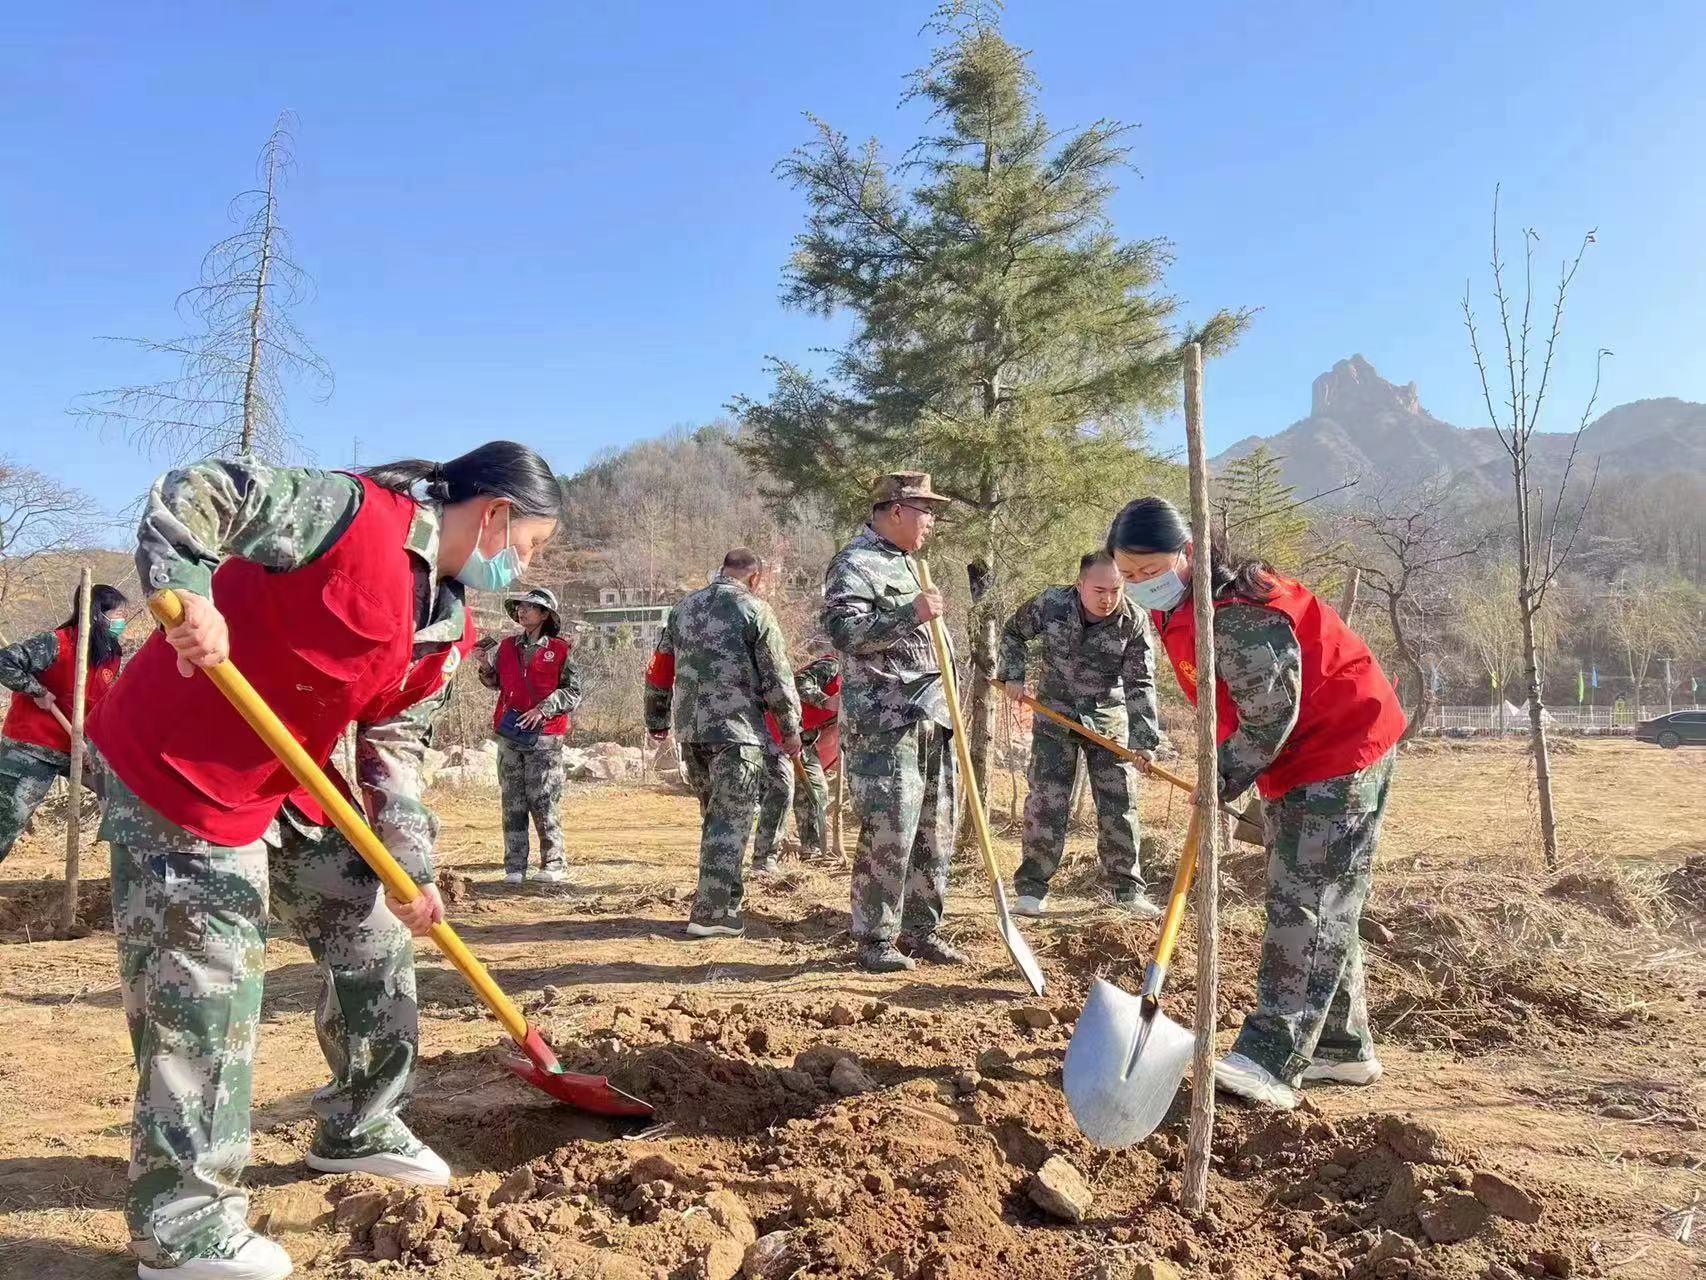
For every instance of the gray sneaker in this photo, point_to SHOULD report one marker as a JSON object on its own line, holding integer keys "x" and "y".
{"x": 720, "y": 924}
{"x": 934, "y": 948}
{"x": 1139, "y": 906}
{"x": 883, "y": 957}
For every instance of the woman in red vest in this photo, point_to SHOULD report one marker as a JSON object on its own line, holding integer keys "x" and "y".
{"x": 41, "y": 673}
{"x": 341, "y": 598}
{"x": 1306, "y": 715}
{"x": 537, "y": 689}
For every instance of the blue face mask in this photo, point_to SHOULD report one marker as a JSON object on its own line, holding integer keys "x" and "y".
{"x": 1160, "y": 593}
{"x": 492, "y": 573}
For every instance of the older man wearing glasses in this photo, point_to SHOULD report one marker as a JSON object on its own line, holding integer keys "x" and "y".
{"x": 897, "y": 741}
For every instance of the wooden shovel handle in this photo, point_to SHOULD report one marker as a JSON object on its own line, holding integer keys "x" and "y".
{"x": 169, "y": 610}
{"x": 962, "y": 747}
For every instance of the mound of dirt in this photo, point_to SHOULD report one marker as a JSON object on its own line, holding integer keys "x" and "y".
{"x": 1687, "y": 884}
{"x": 30, "y": 912}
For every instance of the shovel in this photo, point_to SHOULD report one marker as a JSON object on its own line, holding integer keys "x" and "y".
{"x": 1126, "y": 1057}
{"x": 1244, "y": 828}
{"x": 1017, "y": 947}
{"x": 536, "y": 1063}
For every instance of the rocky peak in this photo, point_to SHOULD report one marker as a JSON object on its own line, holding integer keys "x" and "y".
{"x": 1353, "y": 389}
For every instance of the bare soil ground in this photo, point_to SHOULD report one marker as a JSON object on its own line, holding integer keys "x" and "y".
{"x": 1541, "y": 1114}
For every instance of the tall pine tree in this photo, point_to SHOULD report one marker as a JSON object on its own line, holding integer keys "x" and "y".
{"x": 1005, "y": 338}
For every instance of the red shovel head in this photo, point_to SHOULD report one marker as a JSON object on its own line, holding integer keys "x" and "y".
{"x": 596, "y": 1094}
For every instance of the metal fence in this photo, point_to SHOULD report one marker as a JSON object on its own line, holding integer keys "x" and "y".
{"x": 1509, "y": 719}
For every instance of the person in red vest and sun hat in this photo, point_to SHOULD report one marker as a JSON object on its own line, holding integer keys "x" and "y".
{"x": 341, "y": 598}
{"x": 1306, "y": 715}
{"x": 41, "y": 672}
{"x": 538, "y": 688}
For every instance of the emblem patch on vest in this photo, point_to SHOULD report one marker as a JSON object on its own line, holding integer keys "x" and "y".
{"x": 452, "y": 660}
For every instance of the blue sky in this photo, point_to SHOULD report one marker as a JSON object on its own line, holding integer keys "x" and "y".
{"x": 558, "y": 222}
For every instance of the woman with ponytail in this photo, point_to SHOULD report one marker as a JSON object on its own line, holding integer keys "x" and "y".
{"x": 1305, "y": 714}
{"x": 341, "y": 597}
{"x": 41, "y": 672}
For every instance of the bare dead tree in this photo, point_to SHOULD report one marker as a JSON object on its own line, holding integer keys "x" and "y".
{"x": 228, "y": 396}
{"x": 39, "y": 517}
{"x": 1403, "y": 540}
{"x": 1545, "y": 536}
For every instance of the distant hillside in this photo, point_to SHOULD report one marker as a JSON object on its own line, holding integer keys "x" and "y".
{"x": 1362, "y": 426}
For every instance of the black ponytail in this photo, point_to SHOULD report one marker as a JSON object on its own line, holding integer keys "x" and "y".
{"x": 500, "y": 469}
{"x": 100, "y": 645}
{"x": 1145, "y": 526}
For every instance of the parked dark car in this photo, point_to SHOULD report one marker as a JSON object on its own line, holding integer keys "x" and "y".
{"x": 1678, "y": 729}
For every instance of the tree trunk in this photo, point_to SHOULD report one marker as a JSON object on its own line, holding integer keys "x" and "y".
{"x": 1413, "y": 664}
{"x": 1527, "y": 604}
{"x": 1348, "y": 601}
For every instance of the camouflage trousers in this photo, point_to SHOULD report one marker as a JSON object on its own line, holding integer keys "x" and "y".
{"x": 809, "y": 799}
{"x": 530, "y": 780}
{"x": 1310, "y": 997}
{"x": 191, "y": 919}
{"x": 905, "y": 793}
{"x": 1048, "y": 808}
{"x": 727, "y": 777}
{"x": 26, "y": 776}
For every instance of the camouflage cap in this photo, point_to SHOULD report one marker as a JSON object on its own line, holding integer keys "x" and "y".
{"x": 538, "y": 596}
{"x": 904, "y": 486}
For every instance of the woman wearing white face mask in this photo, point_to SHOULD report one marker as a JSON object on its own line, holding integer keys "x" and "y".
{"x": 340, "y": 597}
{"x": 1306, "y": 714}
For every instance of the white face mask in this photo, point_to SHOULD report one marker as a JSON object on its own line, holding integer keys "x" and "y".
{"x": 1158, "y": 594}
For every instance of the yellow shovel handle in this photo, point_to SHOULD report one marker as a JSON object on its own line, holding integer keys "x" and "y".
{"x": 169, "y": 610}
{"x": 962, "y": 747}
{"x": 1181, "y": 890}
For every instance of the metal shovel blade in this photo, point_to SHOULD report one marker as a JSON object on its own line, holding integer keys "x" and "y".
{"x": 537, "y": 1064}
{"x": 1123, "y": 1068}
{"x": 1017, "y": 947}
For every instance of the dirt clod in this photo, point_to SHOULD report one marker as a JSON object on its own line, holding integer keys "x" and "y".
{"x": 1505, "y": 1197}
{"x": 848, "y": 1078}
{"x": 1454, "y": 1216}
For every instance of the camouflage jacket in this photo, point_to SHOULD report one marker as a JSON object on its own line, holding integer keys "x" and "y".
{"x": 720, "y": 663}
{"x": 1100, "y": 672}
{"x": 889, "y": 677}
{"x": 282, "y": 518}
{"x": 1258, "y": 659}
{"x": 561, "y": 700}
{"x": 19, "y": 664}
{"x": 812, "y": 682}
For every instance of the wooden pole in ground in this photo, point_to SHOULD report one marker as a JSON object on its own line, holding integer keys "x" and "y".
{"x": 1348, "y": 601}
{"x": 840, "y": 803}
{"x": 74, "y": 809}
{"x": 1201, "y": 1138}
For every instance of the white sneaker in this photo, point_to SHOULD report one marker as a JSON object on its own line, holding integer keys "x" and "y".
{"x": 1237, "y": 1074}
{"x": 515, "y": 877}
{"x": 423, "y": 1168}
{"x": 1365, "y": 1072}
{"x": 255, "y": 1258}
{"x": 554, "y": 875}
{"x": 1027, "y": 905}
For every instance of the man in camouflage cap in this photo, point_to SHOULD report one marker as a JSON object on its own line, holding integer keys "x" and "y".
{"x": 719, "y": 665}
{"x": 1096, "y": 669}
{"x": 898, "y": 745}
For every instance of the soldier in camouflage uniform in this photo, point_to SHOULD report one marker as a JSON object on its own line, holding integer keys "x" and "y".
{"x": 530, "y": 774}
{"x": 810, "y": 799}
{"x": 34, "y": 746}
{"x": 898, "y": 743}
{"x": 720, "y": 664}
{"x": 192, "y": 915}
{"x": 1315, "y": 722}
{"x": 1096, "y": 668}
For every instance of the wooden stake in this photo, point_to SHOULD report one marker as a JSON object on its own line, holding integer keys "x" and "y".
{"x": 840, "y": 802}
{"x": 1201, "y": 1138}
{"x": 74, "y": 811}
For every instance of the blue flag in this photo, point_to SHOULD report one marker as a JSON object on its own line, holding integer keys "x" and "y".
{"x": 1596, "y": 676}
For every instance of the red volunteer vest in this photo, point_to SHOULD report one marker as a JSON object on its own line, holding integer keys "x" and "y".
{"x": 1348, "y": 715}
{"x": 326, "y": 645}
{"x": 524, "y": 685}
{"x": 26, "y": 722}
{"x": 810, "y": 717}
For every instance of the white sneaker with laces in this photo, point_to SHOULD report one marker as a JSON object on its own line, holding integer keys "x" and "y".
{"x": 255, "y": 1258}
{"x": 1365, "y": 1072}
{"x": 422, "y": 1168}
{"x": 1250, "y": 1080}
{"x": 554, "y": 875}
{"x": 515, "y": 877}
{"x": 1027, "y": 905}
